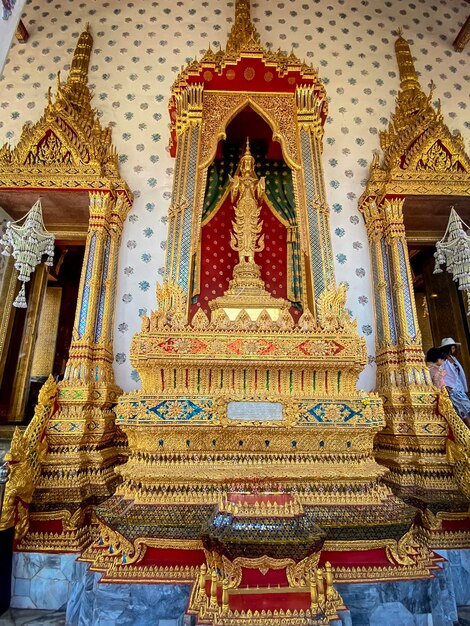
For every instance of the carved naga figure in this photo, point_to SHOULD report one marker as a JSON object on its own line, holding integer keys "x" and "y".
{"x": 245, "y": 238}
{"x": 24, "y": 457}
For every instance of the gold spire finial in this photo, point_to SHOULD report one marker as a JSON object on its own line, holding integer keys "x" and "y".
{"x": 247, "y": 149}
{"x": 75, "y": 90}
{"x": 81, "y": 58}
{"x": 408, "y": 76}
{"x": 413, "y": 107}
{"x": 243, "y": 35}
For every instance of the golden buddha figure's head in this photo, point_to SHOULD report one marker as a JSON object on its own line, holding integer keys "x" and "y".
{"x": 247, "y": 163}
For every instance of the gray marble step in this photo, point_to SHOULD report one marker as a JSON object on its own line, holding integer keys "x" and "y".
{"x": 32, "y": 617}
{"x": 464, "y": 615}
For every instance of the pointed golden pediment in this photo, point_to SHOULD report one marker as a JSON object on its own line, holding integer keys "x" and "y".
{"x": 420, "y": 154}
{"x": 413, "y": 115}
{"x": 438, "y": 152}
{"x": 423, "y": 144}
{"x": 244, "y": 42}
{"x": 68, "y": 138}
{"x": 417, "y": 137}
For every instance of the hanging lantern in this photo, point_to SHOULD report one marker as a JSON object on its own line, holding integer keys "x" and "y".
{"x": 27, "y": 243}
{"x": 453, "y": 250}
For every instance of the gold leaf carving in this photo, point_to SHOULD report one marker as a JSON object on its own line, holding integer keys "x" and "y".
{"x": 332, "y": 313}
{"x": 278, "y": 110}
{"x": 200, "y": 320}
{"x": 24, "y": 458}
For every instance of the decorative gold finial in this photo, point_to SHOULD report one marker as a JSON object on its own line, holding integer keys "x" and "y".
{"x": 76, "y": 91}
{"x": 408, "y": 76}
{"x": 412, "y": 104}
{"x": 81, "y": 58}
{"x": 243, "y": 35}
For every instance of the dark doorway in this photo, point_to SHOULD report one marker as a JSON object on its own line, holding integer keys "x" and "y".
{"x": 50, "y": 317}
{"x": 440, "y": 306}
{"x": 55, "y": 329}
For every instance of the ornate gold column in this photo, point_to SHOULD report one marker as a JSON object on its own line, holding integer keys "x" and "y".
{"x": 105, "y": 323}
{"x": 413, "y": 443}
{"x": 309, "y": 112}
{"x": 94, "y": 280}
{"x": 185, "y": 195}
{"x": 84, "y": 445}
{"x": 405, "y": 318}
{"x": 383, "y": 306}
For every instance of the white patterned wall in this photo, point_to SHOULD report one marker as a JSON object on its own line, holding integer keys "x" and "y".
{"x": 138, "y": 49}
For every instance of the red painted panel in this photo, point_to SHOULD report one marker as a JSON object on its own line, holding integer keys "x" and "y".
{"x": 273, "y": 577}
{"x": 368, "y": 558}
{"x": 249, "y": 75}
{"x": 270, "y": 602}
{"x": 456, "y": 524}
{"x": 218, "y": 259}
{"x": 168, "y": 557}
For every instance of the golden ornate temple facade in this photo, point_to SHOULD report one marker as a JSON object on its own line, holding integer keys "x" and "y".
{"x": 248, "y": 464}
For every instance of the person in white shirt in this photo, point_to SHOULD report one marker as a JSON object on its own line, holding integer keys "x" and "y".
{"x": 455, "y": 380}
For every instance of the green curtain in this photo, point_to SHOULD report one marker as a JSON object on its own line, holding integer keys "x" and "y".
{"x": 218, "y": 176}
{"x": 279, "y": 191}
{"x": 217, "y": 183}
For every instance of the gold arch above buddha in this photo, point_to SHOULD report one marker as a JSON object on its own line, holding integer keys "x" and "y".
{"x": 278, "y": 110}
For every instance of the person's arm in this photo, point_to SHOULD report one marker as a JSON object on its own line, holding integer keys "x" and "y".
{"x": 462, "y": 376}
{"x": 451, "y": 374}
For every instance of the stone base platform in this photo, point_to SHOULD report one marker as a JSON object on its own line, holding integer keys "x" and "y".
{"x": 58, "y": 582}
{"x": 32, "y": 617}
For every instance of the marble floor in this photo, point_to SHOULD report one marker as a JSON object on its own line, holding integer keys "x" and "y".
{"x": 464, "y": 615}
{"x": 31, "y": 617}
